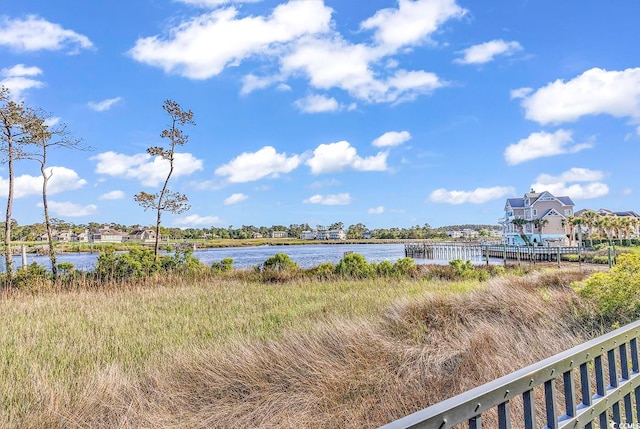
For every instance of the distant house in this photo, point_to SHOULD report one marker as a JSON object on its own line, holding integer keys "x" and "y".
{"x": 64, "y": 236}
{"x": 308, "y": 235}
{"x": 278, "y": 234}
{"x": 145, "y": 235}
{"x": 106, "y": 235}
{"x": 82, "y": 237}
{"x": 43, "y": 237}
{"x": 337, "y": 234}
{"x": 542, "y": 208}
{"x": 256, "y": 235}
{"x": 634, "y": 231}
{"x": 367, "y": 235}
{"x": 454, "y": 234}
{"x": 606, "y": 212}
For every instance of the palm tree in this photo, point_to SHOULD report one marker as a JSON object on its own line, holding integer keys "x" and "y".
{"x": 618, "y": 227}
{"x": 589, "y": 218}
{"x": 576, "y": 223}
{"x": 625, "y": 228}
{"x": 568, "y": 222}
{"x": 520, "y": 223}
{"x": 604, "y": 226}
{"x": 539, "y": 224}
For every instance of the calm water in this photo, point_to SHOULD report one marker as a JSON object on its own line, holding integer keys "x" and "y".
{"x": 307, "y": 256}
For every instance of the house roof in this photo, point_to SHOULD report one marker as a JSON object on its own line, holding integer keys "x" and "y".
{"x": 550, "y": 211}
{"x": 567, "y": 201}
{"x": 516, "y": 203}
{"x": 627, "y": 213}
{"x": 609, "y": 212}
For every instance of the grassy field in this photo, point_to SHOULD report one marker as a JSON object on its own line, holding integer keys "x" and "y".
{"x": 234, "y": 353}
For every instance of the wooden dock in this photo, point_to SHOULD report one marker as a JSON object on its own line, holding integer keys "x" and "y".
{"x": 479, "y": 251}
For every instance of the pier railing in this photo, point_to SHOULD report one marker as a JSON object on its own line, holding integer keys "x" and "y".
{"x": 600, "y": 386}
{"x": 477, "y": 251}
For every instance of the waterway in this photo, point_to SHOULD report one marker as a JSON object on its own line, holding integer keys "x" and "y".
{"x": 307, "y": 256}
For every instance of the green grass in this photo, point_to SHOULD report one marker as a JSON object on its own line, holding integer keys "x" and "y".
{"x": 50, "y": 343}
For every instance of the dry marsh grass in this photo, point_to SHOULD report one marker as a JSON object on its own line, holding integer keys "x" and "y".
{"x": 306, "y": 354}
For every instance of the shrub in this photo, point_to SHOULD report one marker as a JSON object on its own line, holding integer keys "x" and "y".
{"x": 384, "y": 268}
{"x": 279, "y": 262}
{"x": 354, "y": 265}
{"x": 66, "y": 268}
{"x": 616, "y": 293}
{"x": 405, "y": 267}
{"x": 223, "y": 266}
{"x": 31, "y": 277}
{"x": 324, "y": 271}
{"x": 462, "y": 268}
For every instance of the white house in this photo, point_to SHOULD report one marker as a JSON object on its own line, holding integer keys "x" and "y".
{"x": 308, "y": 235}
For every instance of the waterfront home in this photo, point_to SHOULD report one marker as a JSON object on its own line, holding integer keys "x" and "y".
{"x": 144, "y": 235}
{"x": 278, "y": 234}
{"x": 106, "y": 235}
{"x": 633, "y": 228}
{"x": 337, "y": 234}
{"x": 64, "y": 236}
{"x": 308, "y": 235}
{"x": 538, "y": 218}
{"x": 82, "y": 237}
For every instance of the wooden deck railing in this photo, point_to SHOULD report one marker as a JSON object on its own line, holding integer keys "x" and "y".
{"x": 605, "y": 368}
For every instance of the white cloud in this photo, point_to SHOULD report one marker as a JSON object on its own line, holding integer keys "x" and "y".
{"x": 412, "y": 22}
{"x": 50, "y": 122}
{"x": 330, "y": 200}
{"x": 542, "y": 144}
{"x": 576, "y": 191}
{"x": 69, "y": 209}
{"x": 266, "y": 162}
{"x": 234, "y": 199}
{"x": 19, "y": 78}
{"x": 317, "y": 104}
{"x": 376, "y": 210}
{"x": 62, "y": 179}
{"x": 392, "y": 138}
{"x": 150, "y": 171}
{"x": 300, "y": 38}
{"x": 562, "y": 184}
{"x": 112, "y": 195}
{"x": 252, "y": 82}
{"x": 520, "y": 92}
{"x": 336, "y": 63}
{"x": 477, "y": 196}
{"x": 485, "y": 52}
{"x": 572, "y": 175}
{"x": 101, "y": 106}
{"x": 34, "y": 34}
{"x": 194, "y": 220}
{"x": 189, "y": 51}
{"x": 594, "y": 92}
{"x": 335, "y": 157}
{"x": 21, "y": 70}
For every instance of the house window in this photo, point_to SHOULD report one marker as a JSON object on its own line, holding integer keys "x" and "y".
{"x": 567, "y": 212}
{"x": 535, "y": 212}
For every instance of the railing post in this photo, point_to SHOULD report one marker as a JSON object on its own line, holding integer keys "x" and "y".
{"x": 550, "y": 404}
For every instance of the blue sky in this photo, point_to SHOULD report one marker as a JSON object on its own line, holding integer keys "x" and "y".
{"x": 389, "y": 113}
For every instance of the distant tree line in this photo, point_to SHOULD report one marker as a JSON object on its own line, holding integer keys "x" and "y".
{"x": 354, "y": 232}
